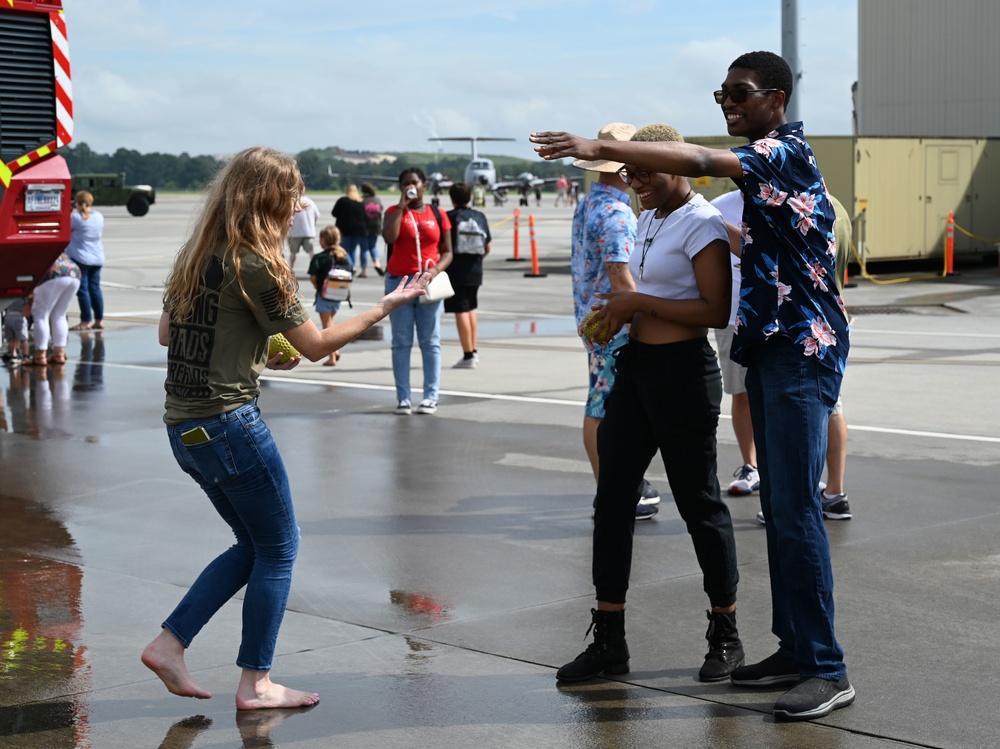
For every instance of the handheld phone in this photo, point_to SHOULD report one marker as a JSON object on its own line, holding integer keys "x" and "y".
{"x": 194, "y": 436}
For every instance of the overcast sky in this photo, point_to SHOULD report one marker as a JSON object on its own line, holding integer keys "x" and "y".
{"x": 206, "y": 76}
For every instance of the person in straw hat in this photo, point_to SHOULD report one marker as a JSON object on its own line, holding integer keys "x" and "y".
{"x": 603, "y": 238}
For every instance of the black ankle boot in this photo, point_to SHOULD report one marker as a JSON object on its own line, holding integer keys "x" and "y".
{"x": 725, "y": 651}
{"x": 607, "y": 654}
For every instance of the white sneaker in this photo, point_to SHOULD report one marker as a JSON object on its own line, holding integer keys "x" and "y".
{"x": 403, "y": 408}
{"x": 427, "y": 406}
{"x": 747, "y": 481}
{"x": 464, "y": 363}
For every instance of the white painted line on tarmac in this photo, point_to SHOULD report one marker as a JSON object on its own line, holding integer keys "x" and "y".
{"x": 923, "y": 333}
{"x": 561, "y": 402}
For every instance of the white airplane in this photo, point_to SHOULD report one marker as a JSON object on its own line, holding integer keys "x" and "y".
{"x": 482, "y": 171}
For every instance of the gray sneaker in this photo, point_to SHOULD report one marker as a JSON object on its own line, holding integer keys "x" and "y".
{"x": 813, "y": 698}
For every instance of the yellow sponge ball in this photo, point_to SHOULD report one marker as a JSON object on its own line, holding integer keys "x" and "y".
{"x": 280, "y": 345}
{"x": 594, "y": 331}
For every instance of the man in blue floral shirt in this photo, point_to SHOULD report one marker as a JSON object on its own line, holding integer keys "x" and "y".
{"x": 792, "y": 336}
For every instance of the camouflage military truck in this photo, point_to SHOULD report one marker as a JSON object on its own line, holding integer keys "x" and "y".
{"x": 110, "y": 189}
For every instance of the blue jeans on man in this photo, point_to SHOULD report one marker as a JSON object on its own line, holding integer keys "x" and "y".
{"x": 426, "y": 318}
{"x": 240, "y": 470}
{"x": 791, "y": 398}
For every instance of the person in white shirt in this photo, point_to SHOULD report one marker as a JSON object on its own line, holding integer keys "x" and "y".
{"x": 667, "y": 396}
{"x": 303, "y": 231}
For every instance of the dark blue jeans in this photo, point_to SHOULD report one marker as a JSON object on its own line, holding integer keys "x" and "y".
{"x": 664, "y": 397}
{"x": 791, "y": 396}
{"x": 351, "y": 243}
{"x": 89, "y": 296}
{"x": 243, "y": 475}
{"x": 369, "y": 246}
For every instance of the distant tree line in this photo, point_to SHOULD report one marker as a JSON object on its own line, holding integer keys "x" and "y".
{"x": 166, "y": 171}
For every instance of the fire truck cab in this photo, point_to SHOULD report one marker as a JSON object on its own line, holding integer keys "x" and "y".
{"x": 36, "y": 118}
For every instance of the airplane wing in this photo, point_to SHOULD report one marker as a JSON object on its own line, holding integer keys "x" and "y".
{"x": 361, "y": 177}
{"x": 520, "y": 184}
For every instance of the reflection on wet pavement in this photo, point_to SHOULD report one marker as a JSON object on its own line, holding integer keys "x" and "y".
{"x": 37, "y": 400}
{"x": 256, "y": 726}
{"x": 42, "y": 655}
{"x": 89, "y": 373}
{"x": 422, "y": 604}
{"x": 182, "y": 734}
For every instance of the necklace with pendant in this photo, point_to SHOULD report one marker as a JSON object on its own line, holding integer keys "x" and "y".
{"x": 648, "y": 241}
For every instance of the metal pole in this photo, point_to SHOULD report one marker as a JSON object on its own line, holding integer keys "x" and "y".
{"x": 790, "y": 51}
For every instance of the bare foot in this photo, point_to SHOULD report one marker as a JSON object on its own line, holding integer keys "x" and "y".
{"x": 164, "y": 656}
{"x": 257, "y": 692}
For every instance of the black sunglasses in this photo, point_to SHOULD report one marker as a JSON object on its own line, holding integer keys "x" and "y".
{"x": 628, "y": 175}
{"x": 739, "y": 95}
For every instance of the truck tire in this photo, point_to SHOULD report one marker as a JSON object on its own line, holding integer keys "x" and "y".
{"x": 138, "y": 205}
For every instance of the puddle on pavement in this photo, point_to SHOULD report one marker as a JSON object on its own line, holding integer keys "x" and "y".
{"x": 41, "y": 652}
{"x": 551, "y": 326}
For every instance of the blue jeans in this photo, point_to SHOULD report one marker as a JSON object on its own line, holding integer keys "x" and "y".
{"x": 242, "y": 473}
{"x": 791, "y": 397}
{"x": 351, "y": 243}
{"x": 369, "y": 246}
{"x": 90, "y": 297}
{"x": 427, "y": 319}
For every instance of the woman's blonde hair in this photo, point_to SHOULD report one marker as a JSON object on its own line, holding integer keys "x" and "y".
{"x": 329, "y": 239}
{"x": 83, "y": 200}
{"x": 248, "y": 207}
{"x": 352, "y": 193}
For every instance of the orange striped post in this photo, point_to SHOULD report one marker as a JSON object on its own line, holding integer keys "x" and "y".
{"x": 949, "y": 245}
{"x": 517, "y": 238}
{"x": 534, "y": 252}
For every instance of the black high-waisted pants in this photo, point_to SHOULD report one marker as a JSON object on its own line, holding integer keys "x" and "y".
{"x": 665, "y": 396}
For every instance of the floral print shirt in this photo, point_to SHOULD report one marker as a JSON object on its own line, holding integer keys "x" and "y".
{"x": 604, "y": 227}
{"x": 788, "y": 252}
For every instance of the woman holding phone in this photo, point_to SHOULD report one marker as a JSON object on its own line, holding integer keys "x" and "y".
{"x": 419, "y": 237}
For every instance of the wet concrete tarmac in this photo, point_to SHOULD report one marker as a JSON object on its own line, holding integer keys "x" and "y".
{"x": 445, "y": 566}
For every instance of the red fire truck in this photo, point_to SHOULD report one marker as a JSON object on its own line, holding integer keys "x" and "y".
{"x": 36, "y": 119}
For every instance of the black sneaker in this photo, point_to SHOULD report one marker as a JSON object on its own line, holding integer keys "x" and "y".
{"x": 773, "y": 670}
{"x": 649, "y": 495}
{"x": 837, "y": 508}
{"x": 813, "y": 698}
